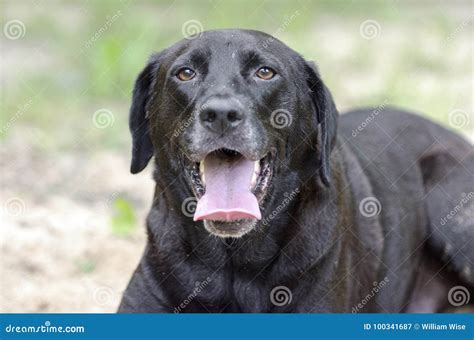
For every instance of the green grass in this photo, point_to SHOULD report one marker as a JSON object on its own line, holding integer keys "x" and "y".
{"x": 124, "y": 220}
{"x": 86, "y": 265}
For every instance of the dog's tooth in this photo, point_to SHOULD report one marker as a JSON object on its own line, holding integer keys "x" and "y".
{"x": 254, "y": 180}
{"x": 256, "y": 173}
{"x": 256, "y": 167}
{"x": 201, "y": 173}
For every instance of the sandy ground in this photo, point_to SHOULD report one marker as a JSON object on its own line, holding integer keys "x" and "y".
{"x": 58, "y": 252}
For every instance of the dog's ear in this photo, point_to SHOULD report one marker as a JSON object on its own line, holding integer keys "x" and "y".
{"x": 142, "y": 147}
{"x": 326, "y": 116}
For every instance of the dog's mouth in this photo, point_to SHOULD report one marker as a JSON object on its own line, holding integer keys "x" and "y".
{"x": 230, "y": 187}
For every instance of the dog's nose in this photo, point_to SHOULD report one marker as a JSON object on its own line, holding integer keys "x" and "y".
{"x": 221, "y": 115}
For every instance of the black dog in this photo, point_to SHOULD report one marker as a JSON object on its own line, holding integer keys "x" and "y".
{"x": 293, "y": 214}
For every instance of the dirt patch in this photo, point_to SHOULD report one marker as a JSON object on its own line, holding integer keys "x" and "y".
{"x": 58, "y": 250}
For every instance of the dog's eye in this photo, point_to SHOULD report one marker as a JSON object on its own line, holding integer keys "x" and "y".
{"x": 265, "y": 73}
{"x": 185, "y": 74}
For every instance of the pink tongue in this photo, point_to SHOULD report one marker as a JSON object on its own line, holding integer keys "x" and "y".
{"x": 228, "y": 196}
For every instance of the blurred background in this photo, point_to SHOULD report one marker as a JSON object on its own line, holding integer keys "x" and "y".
{"x": 72, "y": 217}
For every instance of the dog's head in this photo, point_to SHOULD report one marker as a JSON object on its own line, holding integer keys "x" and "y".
{"x": 236, "y": 119}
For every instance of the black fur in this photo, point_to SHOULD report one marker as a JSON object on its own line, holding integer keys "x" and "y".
{"x": 319, "y": 245}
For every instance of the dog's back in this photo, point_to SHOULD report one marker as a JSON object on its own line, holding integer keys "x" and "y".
{"x": 428, "y": 171}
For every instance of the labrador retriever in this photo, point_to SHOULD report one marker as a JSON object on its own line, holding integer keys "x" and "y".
{"x": 267, "y": 200}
